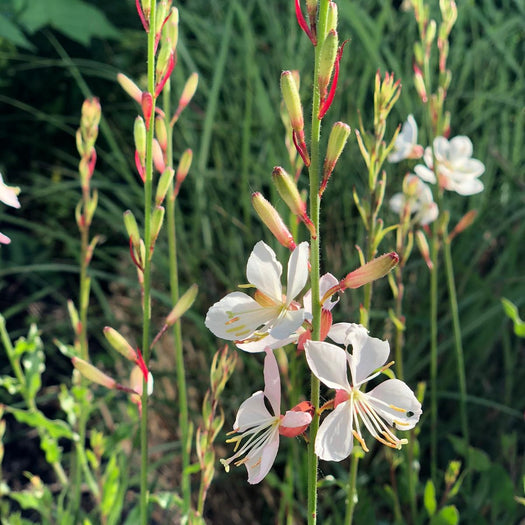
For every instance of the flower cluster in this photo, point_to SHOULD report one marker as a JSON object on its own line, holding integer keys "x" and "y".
{"x": 274, "y": 318}
{"x": 454, "y": 170}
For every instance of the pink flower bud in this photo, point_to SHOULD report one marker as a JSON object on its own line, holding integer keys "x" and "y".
{"x": 147, "y": 107}
{"x": 158, "y": 157}
{"x": 183, "y": 169}
{"x": 187, "y": 94}
{"x": 130, "y": 87}
{"x": 371, "y": 271}
{"x": 273, "y": 221}
{"x": 93, "y": 374}
{"x": 420, "y": 84}
{"x": 161, "y": 132}
{"x": 303, "y": 406}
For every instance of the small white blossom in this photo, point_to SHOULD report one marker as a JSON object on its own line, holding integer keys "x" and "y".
{"x": 406, "y": 146}
{"x": 390, "y": 404}
{"x": 457, "y": 170}
{"x": 418, "y": 197}
{"x": 238, "y": 317}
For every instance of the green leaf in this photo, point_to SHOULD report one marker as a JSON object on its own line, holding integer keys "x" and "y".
{"x": 11, "y": 384}
{"x": 74, "y": 18}
{"x": 111, "y": 485}
{"x": 512, "y": 312}
{"x": 50, "y": 447}
{"x": 12, "y": 33}
{"x": 34, "y": 366}
{"x": 430, "y": 498}
{"x": 167, "y": 500}
{"x": 55, "y": 427}
{"x": 446, "y": 516}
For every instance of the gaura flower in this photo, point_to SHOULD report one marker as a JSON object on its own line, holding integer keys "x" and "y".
{"x": 418, "y": 197}
{"x": 238, "y": 317}
{"x": 261, "y": 426}
{"x": 390, "y": 404}
{"x": 456, "y": 169}
{"x": 8, "y": 194}
{"x": 406, "y": 146}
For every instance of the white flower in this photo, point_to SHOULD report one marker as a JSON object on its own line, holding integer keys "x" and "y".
{"x": 418, "y": 197}
{"x": 406, "y": 146}
{"x": 8, "y": 194}
{"x": 457, "y": 170}
{"x": 238, "y": 317}
{"x": 390, "y": 404}
{"x": 262, "y": 427}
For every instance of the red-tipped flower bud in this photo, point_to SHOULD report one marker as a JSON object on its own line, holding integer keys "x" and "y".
{"x": 371, "y": 271}
{"x": 336, "y": 143}
{"x": 130, "y": 87}
{"x": 92, "y": 373}
{"x": 119, "y": 343}
{"x": 292, "y": 100}
{"x": 273, "y": 221}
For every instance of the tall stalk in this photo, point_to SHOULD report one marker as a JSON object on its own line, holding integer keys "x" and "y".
{"x": 146, "y": 299}
{"x": 315, "y": 201}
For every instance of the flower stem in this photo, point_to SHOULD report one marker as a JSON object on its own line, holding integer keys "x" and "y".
{"x": 434, "y": 251}
{"x": 146, "y": 298}
{"x": 315, "y": 202}
{"x": 352, "y": 492}
{"x": 449, "y": 268}
{"x": 177, "y": 333}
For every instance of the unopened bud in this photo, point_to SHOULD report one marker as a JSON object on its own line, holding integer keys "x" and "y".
{"x": 136, "y": 381}
{"x": 273, "y": 221}
{"x": 139, "y": 135}
{"x": 158, "y": 157}
{"x": 430, "y": 34}
{"x": 160, "y": 16}
{"x": 182, "y": 169}
{"x": 131, "y": 227}
{"x": 119, "y": 343}
{"x": 371, "y": 271}
{"x": 418, "y": 53}
{"x": 183, "y": 305}
{"x": 422, "y": 244}
{"x": 157, "y": 218}
{"x": 171, "y": 28}
{"x": 288, "y": 191}
{"x": 130, "y": 87}
{"x": 92, "y": 373}
{"x": 327, "y": 62}
{"x": 292, "y": 100}
{"x": 91, "y": 112}
{"x": 161, "y": 132}
{"x": 163, "y": 185}
{"x": 332, "y": 16}
{"x": 73, "y": 316}
{"x": 308, "y": 409}
{"x": 465, "y": 222}
{"x": 336, "y": 143}
{"x": 189, "y": 89}
{"x": 420, "y": 84}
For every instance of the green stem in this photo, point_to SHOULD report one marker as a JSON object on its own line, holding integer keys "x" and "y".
{"x": 315, "y": 202}
{"x": 434, "y": 251}
{"x": 146, "y": 297}
{"x": 352, "y": 490}
{"x": 177, "y": 333}
{"x": 449, "y": 268}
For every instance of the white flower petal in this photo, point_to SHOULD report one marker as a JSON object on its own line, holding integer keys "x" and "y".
{"x": 397, "y": 202}
{"x": 334, "y": 439}
{"x": 328, "y": 363}
{"x": 441, "y": 150}
{"x": 468, "y": 187}
{"x": 409, "y": 129}
{"x": 294, "y": 419}
{"x": 267, "y": 341}
{"x": 460, "y": 147}
{"x": 272, "y": 382}
{"x": 425, "y": 173}
{"x": 252, "y": 413}
{"x": 368, "y": 354}
{"x": 468, "y": 168}
{"x": 237, "y": 316}
{"x": 8, "y": 194}
{"x": 260, "y": 463}
{"x": 395, "y": 403}
{"x": 288, "y": 323}
{"x": 341, "y": 333}
{"x": 297, "y": 271}
{"x": 264, "y": 271}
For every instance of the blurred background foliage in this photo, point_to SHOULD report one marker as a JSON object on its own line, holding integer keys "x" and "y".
{"x": 54, "y": 53}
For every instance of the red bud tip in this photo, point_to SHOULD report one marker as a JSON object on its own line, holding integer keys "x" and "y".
{"x": 147, "y": 107}
{"x": 145, "y": 23}
{"x": 325, "y": 106}
{"x": 302, "y": 23}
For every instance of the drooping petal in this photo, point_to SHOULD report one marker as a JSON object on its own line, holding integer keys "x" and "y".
{"x": 297, "y": 271}
{"x": 260, "y": 463}
{"x": 334, "y": 439}
{"x": 252, "y": 413}
{"x": 326, "y": 282}
{"x": 237, "y": 316}
{"x": 294, "y": 419}
{"x": 288, "y": 323}
{"x": 341, "y": 333}
{"x": 264, "y": 271}
{"x": 272, "y": 382}
{"x": 395, "y": 403}
{"x": 328, "y": 363}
